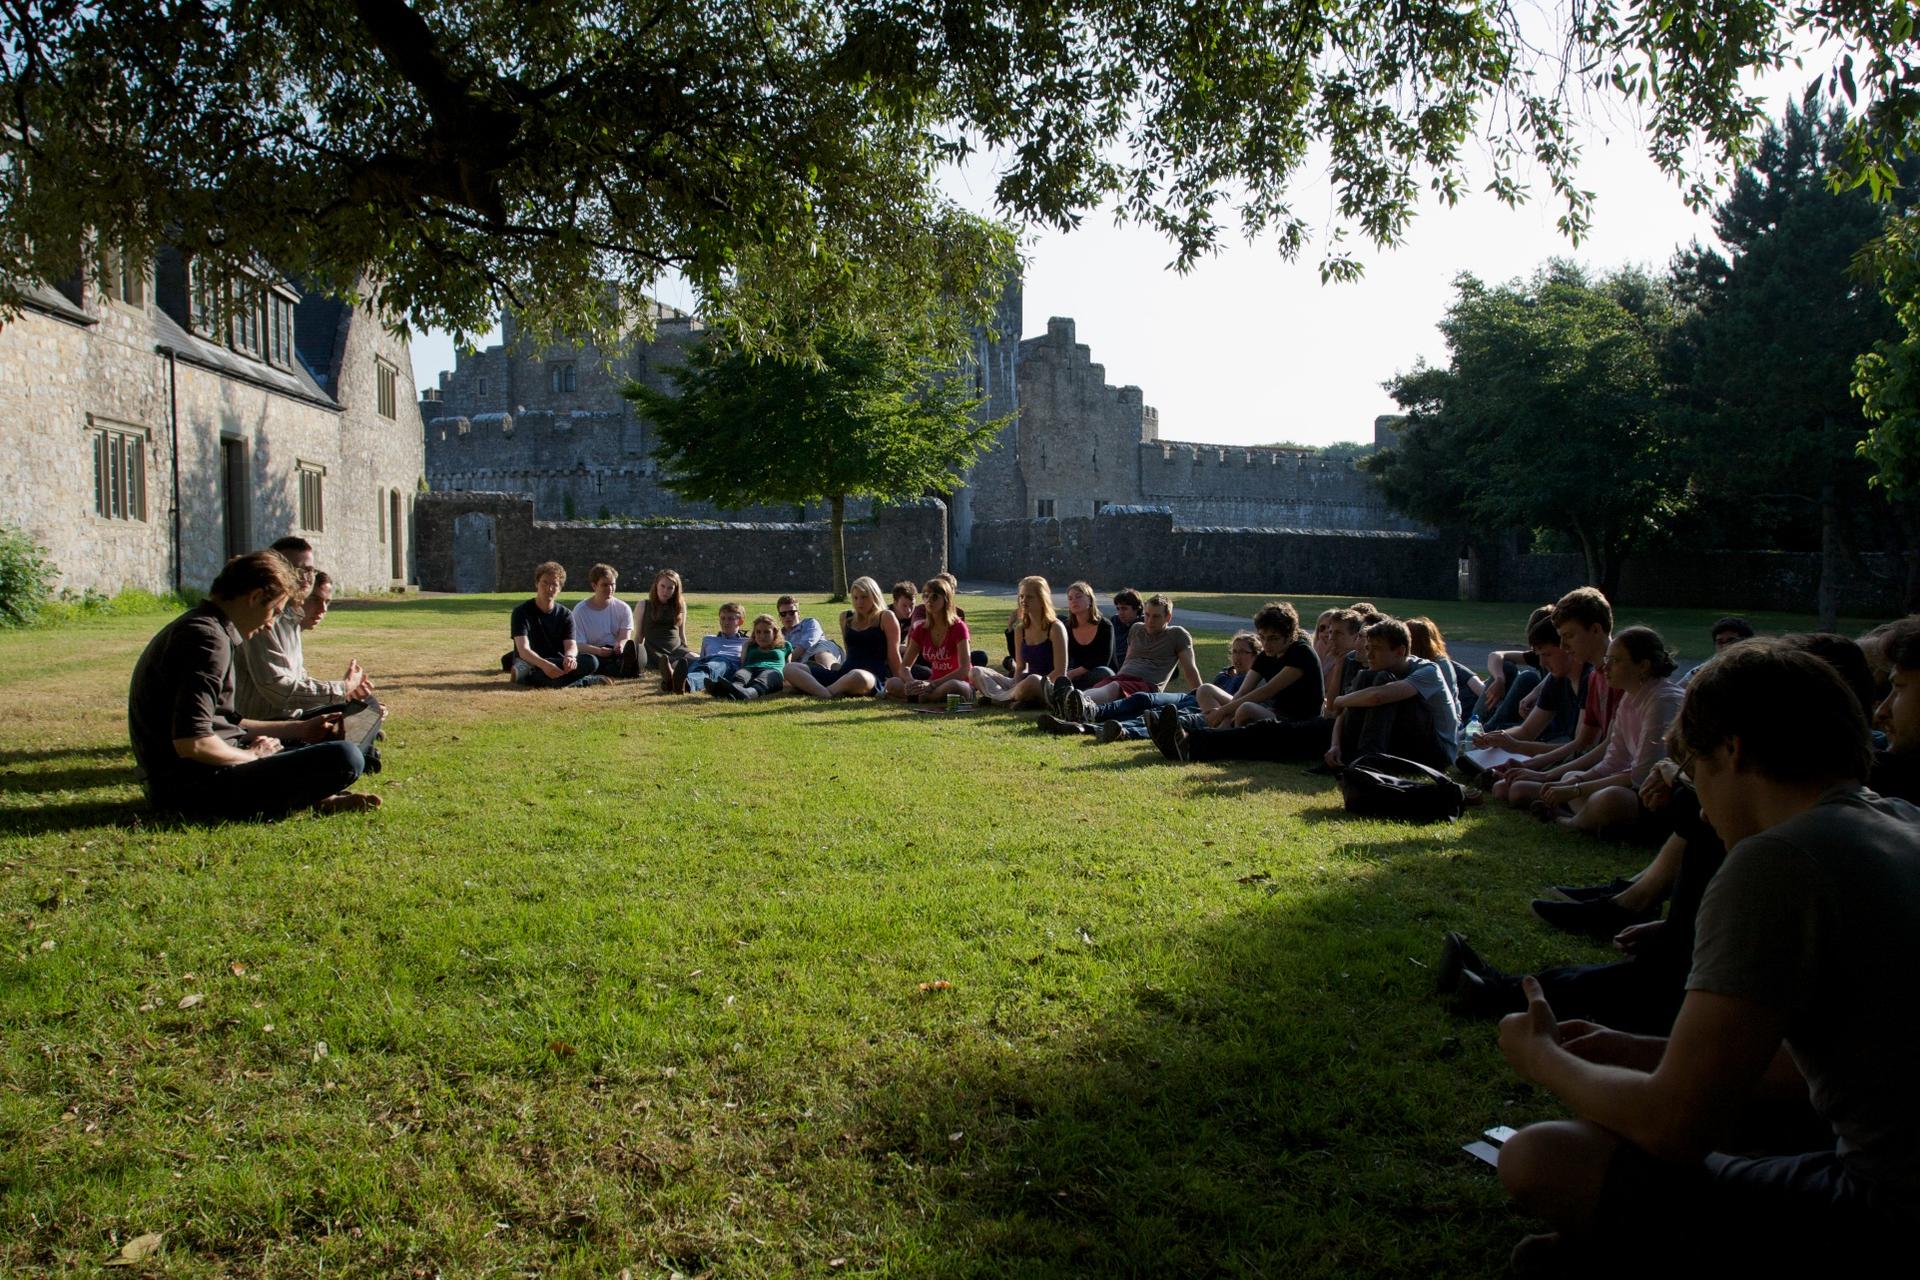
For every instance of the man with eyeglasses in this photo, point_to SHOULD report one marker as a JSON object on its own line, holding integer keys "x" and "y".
{"x": 1798, "y": 995}
{"x": 808, "y": 637}
{"x": 270, "y": 668}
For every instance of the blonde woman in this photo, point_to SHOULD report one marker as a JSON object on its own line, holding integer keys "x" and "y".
{"x": 940, "y": 639}
{"x": 870, "y": 634}
{"x": 1089, "y": 639}
{"x": 1040, "y": 649}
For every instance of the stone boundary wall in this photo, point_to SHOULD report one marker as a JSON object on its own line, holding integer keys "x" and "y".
{"x": 1144, "y": 548}
{"x": 1781, "y": 581}
{"x": 491, "y": 542}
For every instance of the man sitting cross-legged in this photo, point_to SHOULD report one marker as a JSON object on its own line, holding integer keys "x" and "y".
{"x": 603, "y": 625}
{"x": 197, "y": 755}
{"x": 1584, "y": 618}
{"x": 1556, "y": 696}
{"x": 1400, "y": 706}
{"x": 1798, "y": 989}
{"x": 545, "y": 653}
{"x": 1155, "y": 647}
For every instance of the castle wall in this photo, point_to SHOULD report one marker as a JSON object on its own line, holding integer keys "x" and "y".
{"x": 1285, "y": 488}
{"x": 1079, "y": 437}
{"x": 1149, "y": 550}
{"x": 909, "y": 540}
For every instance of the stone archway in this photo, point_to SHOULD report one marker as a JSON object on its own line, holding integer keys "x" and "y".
{"x": 476, "y": 562}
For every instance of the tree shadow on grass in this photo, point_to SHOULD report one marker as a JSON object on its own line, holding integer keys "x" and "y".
{"x": 37, "y": 781}
{"x": 41, "y": 755}
{"x": 79, "y": 815}
{"x": 1281, "y": 1096}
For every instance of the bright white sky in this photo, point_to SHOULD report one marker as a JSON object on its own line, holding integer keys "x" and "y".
{"x": 1249, "y": 349}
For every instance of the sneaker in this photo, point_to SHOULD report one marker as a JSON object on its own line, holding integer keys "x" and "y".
{"x": 1056, "y": 694}
{"x": 1163, "y": 726}
{"x": 506, "y": 662}
{"x": 1074, "y": 706}
{"x": 1050, "y": 723}
{"x": 1599, "y": 919}
{"x": 589, "y": 682}
{"x": 1109, "y": 731}
{"x": 1588, "y": 892}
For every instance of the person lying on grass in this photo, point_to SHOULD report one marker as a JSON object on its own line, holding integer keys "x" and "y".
{"x": 197, "y": 755}
{"x": 1798, "y": 994}
{"x": 811, "y": 645}
{"x": 762, "y": 663}
{"x": 941, "y": 641}
{"x": 1040, "y": 641}
{"x": 870, "y": 635}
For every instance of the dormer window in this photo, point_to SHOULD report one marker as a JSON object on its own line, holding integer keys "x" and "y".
{"x": 125, "y": 277}
{"x": 280, "y": 330}
{"x": 248, "y": 319}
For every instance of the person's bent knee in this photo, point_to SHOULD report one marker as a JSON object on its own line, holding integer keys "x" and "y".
{"x": 1556, "y": 1170}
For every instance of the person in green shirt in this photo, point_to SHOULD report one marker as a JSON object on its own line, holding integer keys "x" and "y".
{"x": 761, "y": 664}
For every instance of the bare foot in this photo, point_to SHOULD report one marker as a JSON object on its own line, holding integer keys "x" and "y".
{"x": 348, "y": 802}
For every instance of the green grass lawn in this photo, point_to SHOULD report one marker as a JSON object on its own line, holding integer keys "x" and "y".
{"x": 617, "y": 980}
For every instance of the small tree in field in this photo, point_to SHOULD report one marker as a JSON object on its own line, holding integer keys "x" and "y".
{"x": 867, "y": 420}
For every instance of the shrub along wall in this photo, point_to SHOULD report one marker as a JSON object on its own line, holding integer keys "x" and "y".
{"x": 491, "y": 542}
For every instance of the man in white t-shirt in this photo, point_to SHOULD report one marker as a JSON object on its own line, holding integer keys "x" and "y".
{"x": 603, "y": 624}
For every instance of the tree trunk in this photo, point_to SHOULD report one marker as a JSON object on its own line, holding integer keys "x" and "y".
{"x": 1828, "y": 603}
{"x": 839, "y": 536}
{"x": 1590, "y": 552}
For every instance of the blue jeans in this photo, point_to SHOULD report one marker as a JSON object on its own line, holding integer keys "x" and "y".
{"x": 1520, "y": 682}
{"x": 1135, "y": 705}
{"x": 296, "y": 777}
{"x": 703, "y": 670}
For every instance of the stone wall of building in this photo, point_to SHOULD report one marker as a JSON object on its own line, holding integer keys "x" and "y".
{"x": 1148, "y": 549}
{"x": 74, "y": 366}
{"x": 492, "y": 542}
{"x": 1080, "y": 436}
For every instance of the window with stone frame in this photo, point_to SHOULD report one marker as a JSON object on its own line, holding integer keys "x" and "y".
{"x": 202, "y": 299}
{"x": 380, "y": 506}
{"x": 480, "y": 385}
{"x": 119, "y": 471}
{"x": 388, "y": 389}
{"x": 313, "y": 505}
{"x": 563, "y": 378}
{"x": 1043, "y": 508}
{"x": 125, "y": 277}
{"x": 280, "y": 330}
{"x": 248, "y": 319}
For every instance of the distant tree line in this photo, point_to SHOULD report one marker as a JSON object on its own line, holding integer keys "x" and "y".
{"x": 1713, "y": 406}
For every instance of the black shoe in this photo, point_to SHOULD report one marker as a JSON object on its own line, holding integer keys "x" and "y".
{"x": 1486, "y": 995}
{"x": 677, "y": 674}
{"x": 1325, "y": 770}
{"x": 1456, "y": 958}
{"x": 1599, "y": 919}
{"x": 1587, "y": 893}
{"x": 1163, "y": 726}
{"x": 1110, "y": 731}
{"x": 1054, "y": 724}
{"x": 506, "y": 662}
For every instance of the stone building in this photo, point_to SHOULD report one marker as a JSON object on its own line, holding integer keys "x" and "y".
{"x": 151, "y": 439}
{"x": 549, "y": 421}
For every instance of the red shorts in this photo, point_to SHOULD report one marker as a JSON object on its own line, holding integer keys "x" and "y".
{"x": 1129, "y": 684}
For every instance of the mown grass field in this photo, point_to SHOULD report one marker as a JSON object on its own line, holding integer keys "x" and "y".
{"x": 617, "y": 981}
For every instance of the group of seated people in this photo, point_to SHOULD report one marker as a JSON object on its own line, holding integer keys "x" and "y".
{"x": 225, "y": 719}
{"x": 1740, "y": 1078}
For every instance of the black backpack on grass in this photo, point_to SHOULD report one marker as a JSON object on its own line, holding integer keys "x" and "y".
{"x": 1378, "y": 786}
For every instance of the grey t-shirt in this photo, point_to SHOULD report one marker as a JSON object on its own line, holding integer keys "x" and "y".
{"x": 1816, "y": 918}
{"x": 1153, "y": 657}
{"x": 1438, "y": 693}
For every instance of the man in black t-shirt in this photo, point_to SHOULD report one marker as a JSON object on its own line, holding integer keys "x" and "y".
{"x": 545, "y": 653}
{"x": 197, "y": 755}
